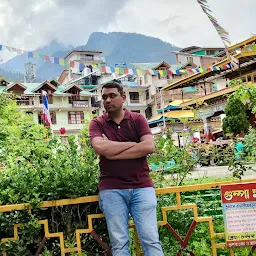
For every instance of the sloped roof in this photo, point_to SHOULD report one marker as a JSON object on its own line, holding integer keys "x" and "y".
{"x": 31, "y": 87}
{"x": 16, "y": 83}
{"x": 66, "y": 88}
{"x": 155, "y": 65}
{"x": 60, "y": 90}
{"x": 175, "y": 114}
{"x": 80, "y": 51}
{"x": 44, "y": 83}
{"x": 174, "y": 105}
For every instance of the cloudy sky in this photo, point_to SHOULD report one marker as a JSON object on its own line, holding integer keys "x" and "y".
{"x": 28, "y": 24}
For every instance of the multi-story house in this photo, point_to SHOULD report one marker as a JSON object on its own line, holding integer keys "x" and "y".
{"x": 81, "y": 64}
{"x": 84, "y": 73}
{"x": 137, "y": 96}
{"x": 216, "y": 100}
{"x": 69, "y": 105}
{"x": 154, "y": 82}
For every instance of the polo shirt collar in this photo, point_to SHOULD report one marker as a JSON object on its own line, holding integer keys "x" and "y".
{"x": 127, "y": 115}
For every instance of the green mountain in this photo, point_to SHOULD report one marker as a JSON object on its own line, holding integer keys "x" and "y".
{"x": 11, "y": 76}
{"x": 117, "y": 48}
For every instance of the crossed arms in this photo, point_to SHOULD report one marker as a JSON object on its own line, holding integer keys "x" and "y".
{"x": 115, "y": 150}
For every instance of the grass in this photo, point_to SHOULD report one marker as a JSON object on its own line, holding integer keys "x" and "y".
{"x": 204, "y": 180}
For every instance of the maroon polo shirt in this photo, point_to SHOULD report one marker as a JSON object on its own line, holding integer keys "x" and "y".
{"x": 127, "y": 173}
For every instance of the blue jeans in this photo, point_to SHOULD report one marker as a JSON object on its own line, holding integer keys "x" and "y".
{"x": 140, "y": 203}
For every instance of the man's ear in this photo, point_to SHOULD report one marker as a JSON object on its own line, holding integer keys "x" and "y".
{"x": 124, "y": 96}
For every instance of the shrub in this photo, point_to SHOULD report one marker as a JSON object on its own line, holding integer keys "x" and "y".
{"x": 38, "y": 167}
{"x": 235, "y": 121}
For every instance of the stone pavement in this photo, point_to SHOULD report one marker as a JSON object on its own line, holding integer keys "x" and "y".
{"x": 217, "y": 172}
{"x": 220, "y": 172}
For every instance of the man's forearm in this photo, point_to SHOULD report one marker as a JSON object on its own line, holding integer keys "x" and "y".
{"x": 110, "y": 148}
{"x": 139, "y": 150}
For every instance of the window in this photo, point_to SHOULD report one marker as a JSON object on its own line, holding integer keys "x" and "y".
{"x": 210, "y": 52}
{"x": 148, "y": 112}
{"x": 190, "y": 59}
{"x": 53, "y": 117}
{"x": 147, "y": 94}
{"x": 134, "y": 97}
{"x": 249, "y": 78}
{"x": 86, "y": 56}
{"x": 76, "y": 117}
{"x": 140, "y": 80}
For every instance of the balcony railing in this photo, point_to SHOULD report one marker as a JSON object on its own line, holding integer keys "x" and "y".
{"x": 136, "y": 101}
{"x": 25, "y": 102}
{"x": 96, "y": 105}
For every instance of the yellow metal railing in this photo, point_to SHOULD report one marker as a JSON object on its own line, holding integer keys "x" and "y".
{"x": 163, "y": 222}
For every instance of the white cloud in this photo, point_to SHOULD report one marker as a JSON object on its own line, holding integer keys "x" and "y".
{"x": 30, "y": 24}
{"x": 183, "y": 23}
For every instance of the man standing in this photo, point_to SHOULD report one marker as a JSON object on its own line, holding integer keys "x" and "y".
{"x": 123, "y": 140}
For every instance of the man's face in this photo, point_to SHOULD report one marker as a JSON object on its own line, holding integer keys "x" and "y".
{"x": 112, "y": 100}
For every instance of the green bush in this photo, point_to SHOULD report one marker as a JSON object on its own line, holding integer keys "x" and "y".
{"x": 38, "y": 167}
{"x": 250, "y": 145}
{"x": 171, "y": 159}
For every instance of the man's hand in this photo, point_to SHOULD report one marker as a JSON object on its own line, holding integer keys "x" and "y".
{"x": 105, "y": 147}
{"x": 145, "y": 147}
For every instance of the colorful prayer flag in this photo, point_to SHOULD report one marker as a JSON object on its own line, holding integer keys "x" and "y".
{"x": 161, "y": 72}
{"x": 56, "y": 60}
{"x": 130, "y": 71}
{"x": 61, "y": 62}
{"x": 30, "y": 54}
{"x": 103, "y": 69}
{"x": 117, "y": 70}
{"x": 81, "y": 66}
{"x": 155, "y": 72}
{"x": 72, "y": 64}
{"x": 108, "y": 70}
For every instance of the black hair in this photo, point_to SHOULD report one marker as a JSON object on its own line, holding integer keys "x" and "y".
{"x": 116, "y": 85}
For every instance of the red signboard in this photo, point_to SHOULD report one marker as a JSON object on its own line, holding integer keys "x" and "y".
{"x": 239, "y": 209}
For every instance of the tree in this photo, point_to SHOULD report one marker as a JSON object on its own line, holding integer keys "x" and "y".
{"x": 235, "y": 121}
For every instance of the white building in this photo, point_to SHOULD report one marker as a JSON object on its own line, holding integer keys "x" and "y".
{"x": 68, "y": 105}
